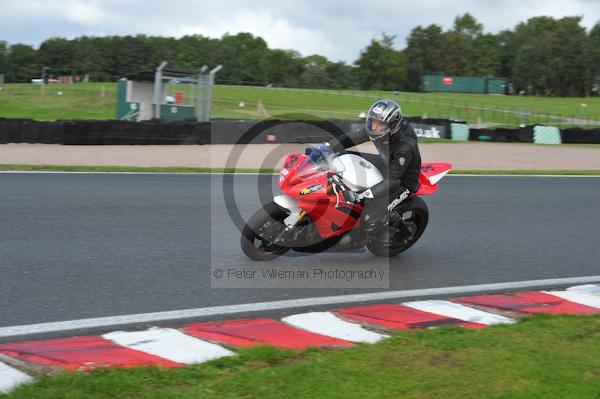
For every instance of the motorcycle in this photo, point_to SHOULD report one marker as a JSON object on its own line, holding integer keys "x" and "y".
{"x": 313, "y": 216}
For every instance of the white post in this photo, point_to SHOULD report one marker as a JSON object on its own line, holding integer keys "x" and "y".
{"x": 211, "y": 82}
{"x": 158, "y": 89}
{"x": 201, "y": 94}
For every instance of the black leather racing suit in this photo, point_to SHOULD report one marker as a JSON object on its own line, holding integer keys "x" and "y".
{"x": 399, "y": 161}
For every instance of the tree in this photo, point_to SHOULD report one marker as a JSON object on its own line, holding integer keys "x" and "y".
{"x": 508, "y": 49}
{"x": 59, "y": 55}
{"x": 243, "y": 57}
{"x": 592, "y": 49}
{"x": 315, "y": 72}
{"x": 486, "y": 52}
{"x": 192, "y": 52}
{"x": 549, "y": 57}
{"x": 423, "y": 54}
{"x": 381, "y": 67}
{"x": 341, "y": 75}
{"x": 467, "y": 26}
{"x": 543, "y": 56}
{"x": 459, "y": 52}
{"x": 570, "y": 72}
{"x": 91, "y": 57}
{"x": 283, "y": 67}
{"x": 128, "y": 54}
{"x": 22, "y": 64}
{"x": 3, "y": 50}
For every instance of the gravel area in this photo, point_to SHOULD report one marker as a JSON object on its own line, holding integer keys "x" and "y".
{"x": 462, "y": 156}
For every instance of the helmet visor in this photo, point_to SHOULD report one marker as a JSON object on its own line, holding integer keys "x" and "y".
{"x": 377, "y": 127}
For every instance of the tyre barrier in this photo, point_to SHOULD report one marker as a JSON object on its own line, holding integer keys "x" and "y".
{"x": 580, "y": 136}
{"x": 503, "y": 135}
{"x": 224, "y": 131}
{"x": 546, "y": 135}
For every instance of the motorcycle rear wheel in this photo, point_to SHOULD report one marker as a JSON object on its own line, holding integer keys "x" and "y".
{"x": 416, "y": 216}
{"x": 259, "y": 231}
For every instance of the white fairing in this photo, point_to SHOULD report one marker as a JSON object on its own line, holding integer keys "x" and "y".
{"x": 290, "y": 204}
{"x": 357, "y": 173}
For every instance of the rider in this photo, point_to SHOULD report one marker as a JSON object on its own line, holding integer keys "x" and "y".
{"x": 398, "y": 159}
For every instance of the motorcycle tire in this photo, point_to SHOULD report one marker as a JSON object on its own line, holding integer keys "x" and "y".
{"x": 252, "y": 242}
{"x": 417, "y": 220}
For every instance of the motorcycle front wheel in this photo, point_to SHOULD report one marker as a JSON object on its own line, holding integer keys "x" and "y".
{"x": 261, "y": 230}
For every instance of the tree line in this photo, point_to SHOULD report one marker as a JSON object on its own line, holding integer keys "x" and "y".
{"x": 542, "y": 56}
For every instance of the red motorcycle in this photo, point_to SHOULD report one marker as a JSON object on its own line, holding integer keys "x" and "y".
{"x": 313, "y": 216}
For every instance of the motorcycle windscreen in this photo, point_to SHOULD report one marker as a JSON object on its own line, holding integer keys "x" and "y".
{"x": 321, "y": 159}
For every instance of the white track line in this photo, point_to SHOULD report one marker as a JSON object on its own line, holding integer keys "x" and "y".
{"x": 589, "y": 288}
{"x": 461, "y": 312}
{"x": 326, "y": 323}
{"x": 169, "y": 344}
{"x": 10, "y": 378}
{"x": 14, "y": 331}
{"x": 582, "y": 298}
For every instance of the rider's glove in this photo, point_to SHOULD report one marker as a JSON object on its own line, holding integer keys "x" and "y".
{"x": 308, "y": 150}
{"x": 351, "y": 196}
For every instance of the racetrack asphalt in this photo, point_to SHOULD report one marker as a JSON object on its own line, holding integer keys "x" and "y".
{"x": 89, "y": 245}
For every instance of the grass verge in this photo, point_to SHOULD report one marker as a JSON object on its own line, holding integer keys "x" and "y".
{"x": 168, "y": 169}
{"x": 540, "y": 357}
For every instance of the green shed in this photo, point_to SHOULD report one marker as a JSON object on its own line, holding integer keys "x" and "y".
{"x": 496, "y": 86}
{"x": 463, "y": 84}
{"x": 452, "y": 84}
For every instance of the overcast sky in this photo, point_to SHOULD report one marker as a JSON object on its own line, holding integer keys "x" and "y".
{"x": 333, "y": 28}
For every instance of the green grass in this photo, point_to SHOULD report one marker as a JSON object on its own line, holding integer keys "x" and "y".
{"x": 540, "y": 357}
{"x": 345, "y": 104}
{"x": 78, "y": 101}
{"x": 172, "y": 169}
{"x": 85, "y": 101}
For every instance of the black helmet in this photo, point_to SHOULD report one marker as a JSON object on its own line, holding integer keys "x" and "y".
{"x": 383, "y": 120}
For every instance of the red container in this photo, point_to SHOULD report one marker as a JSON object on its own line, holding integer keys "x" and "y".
{"x": 178, "y": 97}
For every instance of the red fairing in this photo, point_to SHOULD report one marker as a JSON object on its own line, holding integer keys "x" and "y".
{"x": 431, "y": 174}
{"x": 317, "y": 197}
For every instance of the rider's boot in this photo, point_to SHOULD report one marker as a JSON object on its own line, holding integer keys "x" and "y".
{"x": 385, "y": 227}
